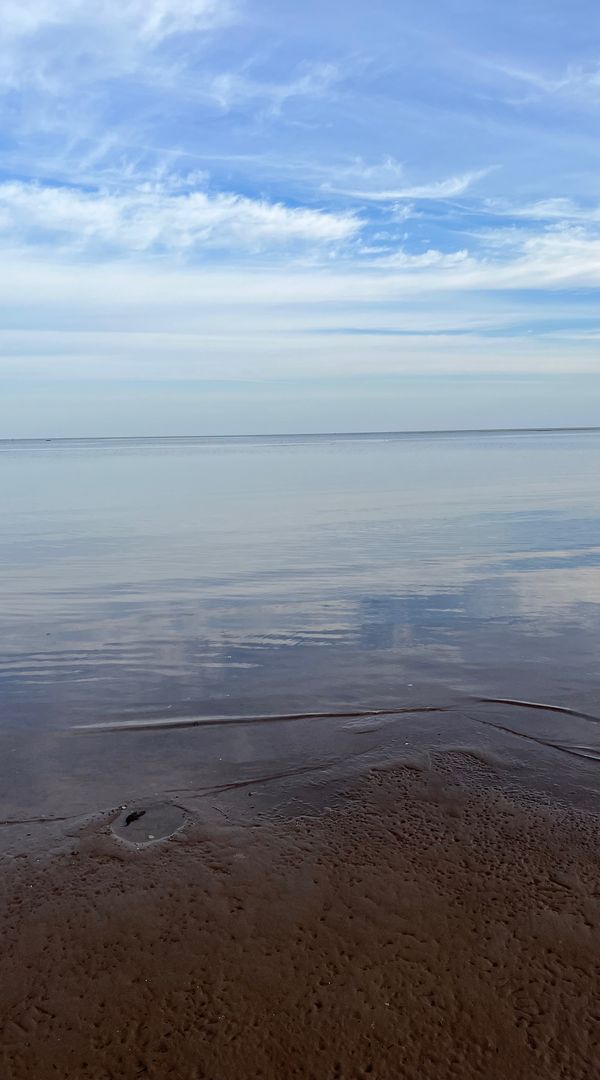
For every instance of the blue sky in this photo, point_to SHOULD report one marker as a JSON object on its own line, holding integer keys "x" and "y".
{"x": 248, "y": 216}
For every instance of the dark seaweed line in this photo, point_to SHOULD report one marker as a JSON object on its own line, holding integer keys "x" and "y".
{"x": 220, "y": 721}
{"x": 38, "y": 820}
{"x": 356, "y": 714}
{"x": 575, "y": 750}
{"x": 539, "y": 705}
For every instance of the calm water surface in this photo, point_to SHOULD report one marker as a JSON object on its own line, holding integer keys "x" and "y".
{"x": 147, "y": 580}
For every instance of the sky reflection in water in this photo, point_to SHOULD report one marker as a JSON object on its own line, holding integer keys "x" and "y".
{"x": 248, "y": 576}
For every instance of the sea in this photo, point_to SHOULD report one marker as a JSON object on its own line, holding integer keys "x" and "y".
{"x": 183, "y": 617}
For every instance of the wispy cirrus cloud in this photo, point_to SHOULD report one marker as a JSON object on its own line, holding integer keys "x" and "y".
{"x": 557, "y": 208}
{"x": 575, "y": 80}
{"x": 447, "y": 188}
{"x": 55, "y": 45}
{"x": 151, "y": 20}
{"x": 231, "y": 88}
{"x": 174, "y": 217}
{"x": 425, "y": 260}
{"x": 561, "y": 258}
{"x": 154, "y": 218}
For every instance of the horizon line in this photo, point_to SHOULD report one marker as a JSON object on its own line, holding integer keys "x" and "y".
{"x": 300, "y": 434}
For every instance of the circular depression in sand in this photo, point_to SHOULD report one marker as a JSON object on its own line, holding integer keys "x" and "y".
{"x": 146, "y": 823}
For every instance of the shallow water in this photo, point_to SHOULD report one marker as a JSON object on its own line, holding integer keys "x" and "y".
{"x": 152, "y": 580}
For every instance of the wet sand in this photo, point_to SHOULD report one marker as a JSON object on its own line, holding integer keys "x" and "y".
{"x": 432, "y": 923}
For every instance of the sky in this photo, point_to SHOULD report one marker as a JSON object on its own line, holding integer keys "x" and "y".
{"x": 254, "y": 216}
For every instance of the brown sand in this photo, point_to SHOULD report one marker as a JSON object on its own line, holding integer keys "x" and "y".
{"x": 429, "y": 926}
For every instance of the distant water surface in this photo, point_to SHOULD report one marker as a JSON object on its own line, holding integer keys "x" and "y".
{"x": 155, "y": 579}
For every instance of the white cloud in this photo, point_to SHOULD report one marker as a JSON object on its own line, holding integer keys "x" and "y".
{"x": 372, "y": 174}
{"x": 169, "y": 220}
{"x": 558, "y": 208}
{"x": 520, "y": 86}
{"x": 154, "y": 218}
{"x": 55, "y": 45}
{"x": 404, "y": 260}
{"x": 147, "y": 221}
{"x": 152, "y": 319}
{"x": 560, "y": 258}
{"x": 152, "y": 20}
{"x": 403, "y": 212}
{"x": 229, "y": 89}
{"x": 572, "y": 81}
{"x": 438, "y": 189}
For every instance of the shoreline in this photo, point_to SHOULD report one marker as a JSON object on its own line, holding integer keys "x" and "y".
{"x": 429, "y": 924}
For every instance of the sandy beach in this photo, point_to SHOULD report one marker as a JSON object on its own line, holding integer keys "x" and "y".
{"x": 432, "y": 923}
